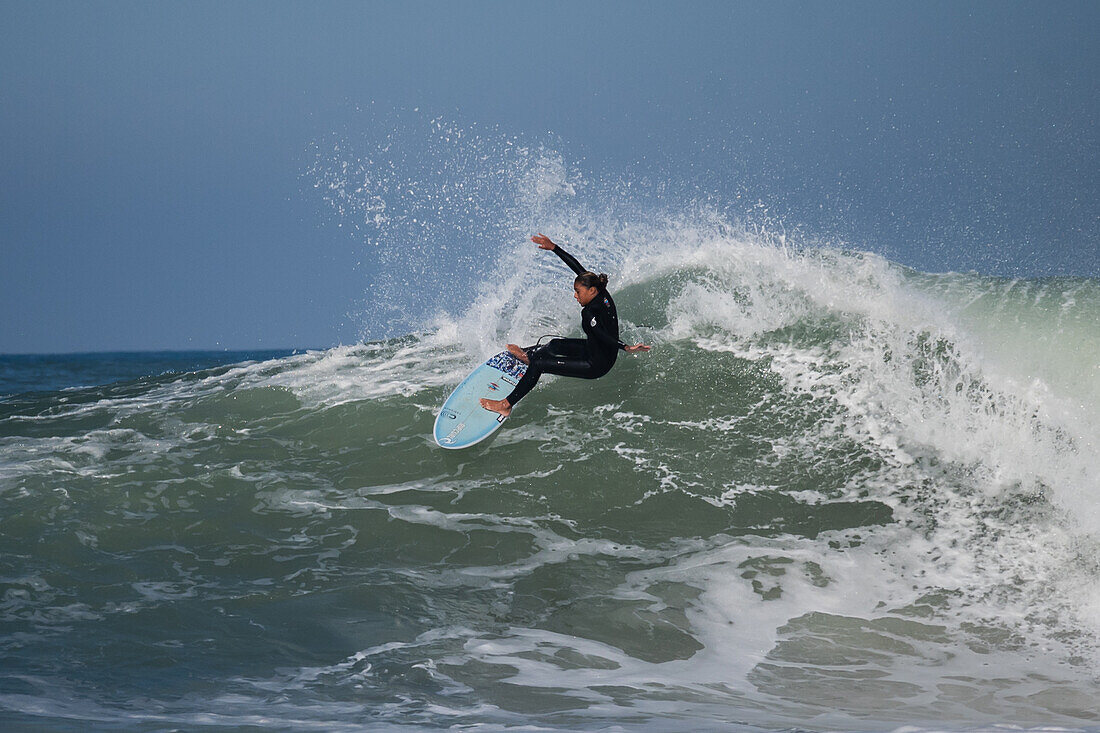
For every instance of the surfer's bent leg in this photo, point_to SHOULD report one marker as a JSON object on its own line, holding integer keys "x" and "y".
{"x": 572, "y": 349}
{"x": 557, "y": 357}
{"x": 526, "y": 382}
{"x": 558, "y": 348}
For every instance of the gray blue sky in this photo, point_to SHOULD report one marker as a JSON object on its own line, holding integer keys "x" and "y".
{"x": 152, "y": 154}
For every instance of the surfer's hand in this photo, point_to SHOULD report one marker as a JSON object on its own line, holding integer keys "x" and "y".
{"x": 543, "y": 241}
{"x": 636, "y": 348}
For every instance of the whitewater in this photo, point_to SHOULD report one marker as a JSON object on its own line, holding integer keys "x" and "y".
{"x": 839, "y": 494}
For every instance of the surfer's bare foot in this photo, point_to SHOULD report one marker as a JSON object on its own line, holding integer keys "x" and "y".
{"x": 501, "y": 407}
{"x": 518, "y": 353}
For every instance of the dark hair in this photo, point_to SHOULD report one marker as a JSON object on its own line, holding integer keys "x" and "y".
{"x": 591, "y": 280}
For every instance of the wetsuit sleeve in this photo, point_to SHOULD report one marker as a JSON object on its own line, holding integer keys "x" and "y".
{"x": 605, "y": 336}
{"x": 570, "y": 260}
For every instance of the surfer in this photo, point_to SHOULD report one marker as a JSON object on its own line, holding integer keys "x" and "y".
{"x": 587, "y": 358}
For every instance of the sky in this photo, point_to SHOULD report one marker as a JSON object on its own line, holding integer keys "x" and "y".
{"x": 153, "y": 156}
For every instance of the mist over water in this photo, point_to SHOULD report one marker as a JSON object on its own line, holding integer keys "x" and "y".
{"x": 838, "y": 494}
{"x": 433, "y": 205}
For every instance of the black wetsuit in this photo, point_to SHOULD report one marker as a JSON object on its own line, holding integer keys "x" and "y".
{"x": 587, "y": 358}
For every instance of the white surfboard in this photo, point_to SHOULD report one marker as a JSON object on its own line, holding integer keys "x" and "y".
{"x": 462, "y": 421}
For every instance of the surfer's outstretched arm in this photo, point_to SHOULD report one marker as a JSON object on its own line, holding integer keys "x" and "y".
{"x": 544, "y": 243}
{"x": 602, "y": 333}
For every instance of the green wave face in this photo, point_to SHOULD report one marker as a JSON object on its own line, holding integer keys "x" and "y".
{"x": 836, "y": 494}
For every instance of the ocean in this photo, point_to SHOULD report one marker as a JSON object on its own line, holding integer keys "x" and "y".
{"x": 839, "y": 494}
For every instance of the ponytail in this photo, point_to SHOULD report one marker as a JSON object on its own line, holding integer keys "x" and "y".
{"x": 592, "y": 280}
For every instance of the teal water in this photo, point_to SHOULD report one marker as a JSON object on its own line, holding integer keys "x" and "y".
{"x": 837, "y": 494}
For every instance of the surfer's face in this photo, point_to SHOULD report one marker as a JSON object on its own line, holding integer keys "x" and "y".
{"x": 584, "y": 295}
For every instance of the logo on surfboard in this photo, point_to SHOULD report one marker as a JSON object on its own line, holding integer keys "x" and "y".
{"x": 451, "y": 435}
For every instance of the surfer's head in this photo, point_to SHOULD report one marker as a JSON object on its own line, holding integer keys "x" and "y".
{"x": 587, "y": 286}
